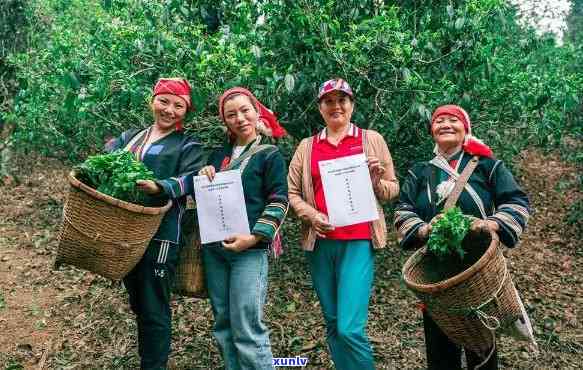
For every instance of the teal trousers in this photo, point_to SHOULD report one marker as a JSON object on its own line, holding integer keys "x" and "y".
{"x": 342, "y": 274}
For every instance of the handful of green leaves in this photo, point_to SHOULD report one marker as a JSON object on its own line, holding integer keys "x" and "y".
{"x": 448, "y": 233}
{"x": 115, "y": 174}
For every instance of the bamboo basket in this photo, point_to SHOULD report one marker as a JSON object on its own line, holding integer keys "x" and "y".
{"x": 103, "y": 234}
{"x": 190, "y": 278}
{"x": 471, "y": 305}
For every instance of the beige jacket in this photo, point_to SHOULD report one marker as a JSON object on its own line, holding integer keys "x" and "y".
{"x": 301, "y": 190}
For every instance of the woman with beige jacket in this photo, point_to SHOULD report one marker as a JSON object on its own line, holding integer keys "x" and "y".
{"x": 341, "y": 259}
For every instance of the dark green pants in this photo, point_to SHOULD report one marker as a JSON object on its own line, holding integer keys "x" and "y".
{"x": 149, "y": 286}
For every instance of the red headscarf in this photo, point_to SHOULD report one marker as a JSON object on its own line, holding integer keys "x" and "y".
{"x": 175, "y": 86}
{"x": 266, "y": 116}
{"x": 471, "y": 145}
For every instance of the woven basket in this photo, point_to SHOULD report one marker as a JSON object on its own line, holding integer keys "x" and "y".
{"x": 190, "y": 279}
{"x": 103, "y": 234}
{"x": 469, "y": 306}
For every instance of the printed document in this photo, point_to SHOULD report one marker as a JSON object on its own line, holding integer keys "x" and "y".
{"x": 348, "y": 190}
{"x": 220, "y": 206}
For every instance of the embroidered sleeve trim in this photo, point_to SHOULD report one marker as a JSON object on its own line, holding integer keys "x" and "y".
{"x": 493, "y": 170}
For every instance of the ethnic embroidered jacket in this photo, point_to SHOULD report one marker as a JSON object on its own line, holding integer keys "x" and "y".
{"x": 171, "y": 157}
{"x": 491, "y": 193}
{"x": 264, "y": 186}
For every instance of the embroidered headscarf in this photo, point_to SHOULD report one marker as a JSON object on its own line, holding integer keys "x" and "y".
{"x": 471, "y": 145}
{"x": 267, "y": 122}
{"x": 175, "y": 86}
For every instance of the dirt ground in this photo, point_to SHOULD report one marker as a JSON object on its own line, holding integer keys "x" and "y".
{"x": 71, "y": 319}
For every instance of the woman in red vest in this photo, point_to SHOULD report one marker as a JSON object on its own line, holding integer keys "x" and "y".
{"x": 341, "y": 259}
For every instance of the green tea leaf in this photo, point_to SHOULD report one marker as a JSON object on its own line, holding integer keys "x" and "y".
{"x": 115, "y": 174}
{"x": 448, "y": 233}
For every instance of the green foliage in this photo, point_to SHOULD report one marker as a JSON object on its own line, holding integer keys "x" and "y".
{"x": 575, "y": 22}
{"x": 13, "y": 365}
{"x": 12, "y": 36}
{"x": 91, "y": 65}
{"x": 448, "y": 233}
{"x": 115, "y": 174}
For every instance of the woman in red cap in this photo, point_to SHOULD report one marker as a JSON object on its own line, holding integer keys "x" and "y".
{"x": 492, "y": 196}
{"x": 236, "y": 269}
{"x": 170, "y": 154}
{"x": 341, "y": 259}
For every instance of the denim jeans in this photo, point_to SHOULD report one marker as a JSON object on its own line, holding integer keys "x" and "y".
{"x": 342, "y": 273}
{"x": 237, "y": 286}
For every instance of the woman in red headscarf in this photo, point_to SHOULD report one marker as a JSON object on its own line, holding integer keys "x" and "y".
{"x": 236, "y": 269}
{"x": 491, "y": 196}
{"x": 170, "y": 154}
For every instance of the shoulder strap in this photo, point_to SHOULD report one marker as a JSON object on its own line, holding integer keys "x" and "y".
{"x": 139, "y": 135}
{"x": 432, "y": 178}
{"x": 461, "y": 183}
{"x": 247, "y": 154}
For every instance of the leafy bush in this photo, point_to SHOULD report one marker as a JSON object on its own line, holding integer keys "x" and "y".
{"x": 115, "y": 174}
{"x": 12, "y": 36}
{"x": 91, "y": 65}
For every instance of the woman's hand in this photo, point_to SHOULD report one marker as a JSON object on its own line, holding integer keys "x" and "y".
{"x": 321, "y": 225}
{"x": 484, "y": 226}
{"x": 425, "y": 230}
{"x": 241, "y": 242}
{"x": 376, "y": 171}
{"x": 208, "y": 171}
{"x": 149, "y": 187}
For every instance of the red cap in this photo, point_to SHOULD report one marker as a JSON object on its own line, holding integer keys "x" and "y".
{"x": 336, "y": 84}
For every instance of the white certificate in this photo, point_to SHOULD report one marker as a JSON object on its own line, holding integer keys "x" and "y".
{"x": 220, "y": 206}
{"x": 348, "y": 190}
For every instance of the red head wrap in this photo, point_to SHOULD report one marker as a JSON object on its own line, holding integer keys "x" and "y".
{"x": 471, "y": 145}
{"x": 175, "y": 86}
{"x": 266, "y": 116}
{"x": 453, "y": 110}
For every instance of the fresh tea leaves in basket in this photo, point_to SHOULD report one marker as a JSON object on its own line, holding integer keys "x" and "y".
{"x": 448, "y": 233}
{"x": 115, "y": 174}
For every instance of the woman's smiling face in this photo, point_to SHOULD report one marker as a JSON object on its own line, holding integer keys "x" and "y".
{"x": 336, "y": 108}
{"x": 448, "y": 132}
{"x": 168, "y": 110}
{"x": 241, "y": 117}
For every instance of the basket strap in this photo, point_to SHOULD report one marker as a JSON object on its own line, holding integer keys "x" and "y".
{"x": 143, "y": 136}
{"x": 461, "y": 183}
{"x": 489, "y": 354}
{"x": 97, "y": 236}
{"x": 491, "y": 322}
{"x": 240, "y": 160}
